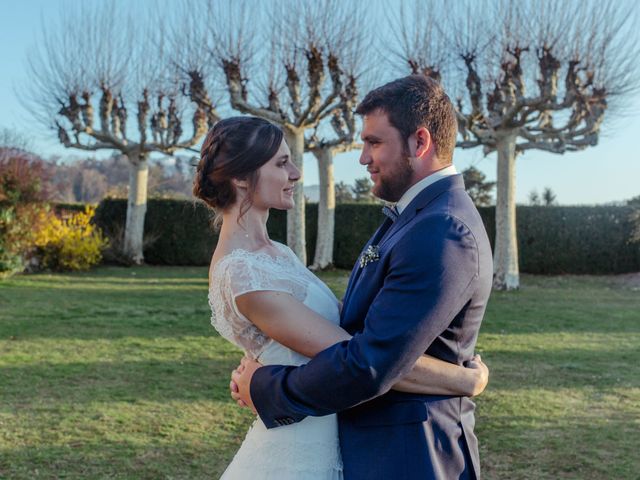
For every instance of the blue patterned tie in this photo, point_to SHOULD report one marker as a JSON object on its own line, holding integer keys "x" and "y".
{"x": 391, "y": 212}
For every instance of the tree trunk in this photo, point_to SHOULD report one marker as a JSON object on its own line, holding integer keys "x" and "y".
{"x": 295, "y": 216}
{"x": 506, "y": 275}
{"x": 136, "y": 207}
{"x": 323, "y": 256}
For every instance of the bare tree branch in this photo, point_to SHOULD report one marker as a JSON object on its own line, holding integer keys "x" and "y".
{"x": 542, "y": 76}
{"x": 300, "y": 71}
{"x": 93, "y": 69}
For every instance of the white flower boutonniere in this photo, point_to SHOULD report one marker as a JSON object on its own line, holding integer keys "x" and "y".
{"x": 370, "y": 255}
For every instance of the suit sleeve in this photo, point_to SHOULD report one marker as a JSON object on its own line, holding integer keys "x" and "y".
{"x": 431, "y": 273}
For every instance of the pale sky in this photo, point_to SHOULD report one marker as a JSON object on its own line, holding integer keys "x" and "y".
{"x": 609, "y": 172}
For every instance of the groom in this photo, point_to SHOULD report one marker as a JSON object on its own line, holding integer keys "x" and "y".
{"x": 421, "y": 285}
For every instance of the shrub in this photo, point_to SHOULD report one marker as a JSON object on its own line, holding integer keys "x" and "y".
{"x": 18, "y": 227}
{"x": 69, "y": 244}
{"x": 22, "y": 177}
{"x": 21, "y": 196}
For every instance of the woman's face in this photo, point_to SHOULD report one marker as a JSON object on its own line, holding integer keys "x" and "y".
{"x": 276, "y": 181}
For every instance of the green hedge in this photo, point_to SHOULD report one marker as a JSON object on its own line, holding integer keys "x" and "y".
{"x": 551, "y": 240}
{"x": 176, "y": 232}
{"x": 577, "y": 240}
{"x": 179, "y": 232}
{"x": 355, "y": 223}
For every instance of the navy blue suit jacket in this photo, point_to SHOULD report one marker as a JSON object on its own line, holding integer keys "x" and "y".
{"x": 427, "y": 292}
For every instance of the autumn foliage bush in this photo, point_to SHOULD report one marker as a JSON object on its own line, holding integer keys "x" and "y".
{"x": 31, "y": 234}
{"x": 21, "y": 205}
{"x": 74, "y": 243}
{"x": 18, "y": 227}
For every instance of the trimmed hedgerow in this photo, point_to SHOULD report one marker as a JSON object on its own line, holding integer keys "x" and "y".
{"x": 551, "y": 239}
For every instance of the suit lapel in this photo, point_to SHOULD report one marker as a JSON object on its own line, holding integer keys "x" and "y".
{"x": 389, "y": 229}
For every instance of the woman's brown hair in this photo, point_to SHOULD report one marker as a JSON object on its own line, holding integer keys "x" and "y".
{"x": 235, "y": 147}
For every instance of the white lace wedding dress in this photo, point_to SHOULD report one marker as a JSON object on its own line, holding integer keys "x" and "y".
{"x": 307, "y": 450}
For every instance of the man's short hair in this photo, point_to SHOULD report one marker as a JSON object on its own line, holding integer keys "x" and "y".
{"x": 416, "y": 101}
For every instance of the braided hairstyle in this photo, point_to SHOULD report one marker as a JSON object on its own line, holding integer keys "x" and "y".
{"x": 235, "y": 147}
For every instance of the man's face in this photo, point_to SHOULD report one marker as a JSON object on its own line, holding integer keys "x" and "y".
{"x": 386, "y": 157}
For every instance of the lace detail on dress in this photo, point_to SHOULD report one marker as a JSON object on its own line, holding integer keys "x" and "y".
{"x": 242, "y": 272}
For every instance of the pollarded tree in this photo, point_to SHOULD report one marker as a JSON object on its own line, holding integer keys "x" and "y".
{"x": 530, "y": 75}
{"x": 104, "y": 79}
{"x": 295, "y": 72}
{"x": 344, "y": 130}
{"x": 325, "y": 151}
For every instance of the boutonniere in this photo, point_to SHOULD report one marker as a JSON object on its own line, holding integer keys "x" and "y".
{"x": 370, "y": 255}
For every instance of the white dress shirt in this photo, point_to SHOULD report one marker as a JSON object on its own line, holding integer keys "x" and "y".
{"x": 422, "y": 184}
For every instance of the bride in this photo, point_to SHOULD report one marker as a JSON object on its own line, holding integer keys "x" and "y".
{"x": 265, "y": 301}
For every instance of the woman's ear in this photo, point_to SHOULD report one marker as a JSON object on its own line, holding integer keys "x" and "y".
{"x": 240, "y": 184}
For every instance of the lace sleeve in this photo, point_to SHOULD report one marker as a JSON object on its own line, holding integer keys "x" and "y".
{"x": 243, "y": 272}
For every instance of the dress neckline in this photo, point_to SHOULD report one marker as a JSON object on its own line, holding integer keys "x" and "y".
{"x": 280, "y": 259}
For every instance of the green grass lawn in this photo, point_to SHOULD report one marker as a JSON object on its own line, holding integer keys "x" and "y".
{"x": 117, "y": 373}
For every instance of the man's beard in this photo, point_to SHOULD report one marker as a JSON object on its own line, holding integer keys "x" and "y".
{"x": 392, "y": 186}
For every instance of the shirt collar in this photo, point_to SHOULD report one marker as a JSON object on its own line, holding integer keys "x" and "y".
{"x": 410, "y": 194}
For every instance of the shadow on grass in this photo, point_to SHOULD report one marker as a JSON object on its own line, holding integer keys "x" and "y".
{"x": 577, "y": 448}
{"x": 108, "y": 459}
{"x": 136, "y": 324}
{"x": 92, "y": 283}
{"x": 207, "y": 378}
{"x": 204, "y": 379}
